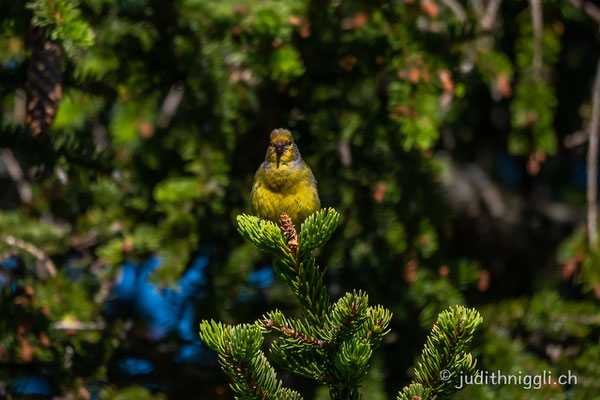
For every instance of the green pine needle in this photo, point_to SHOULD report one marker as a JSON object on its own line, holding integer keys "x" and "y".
{"x": 445, "y": 355}
{"x": 334, "y": 343}
{"x": 64, "y": 19}
{"x": 317, "y": 229}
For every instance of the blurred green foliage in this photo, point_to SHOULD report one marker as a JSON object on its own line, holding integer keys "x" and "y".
{"x": 396, "y": 105}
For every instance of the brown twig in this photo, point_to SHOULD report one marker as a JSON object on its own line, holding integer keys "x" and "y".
{"x": 16, "y": 173}
{"x": 270, "y": 324}
{"x": 576, "y": 138}
{"x": 537, "y": 20}
{"x": 592, "y": 167}
{"x": 488, "y": 19}
{"x": 79, "y": 326}
{"x": 170, "y": 104}
{"x": 42, "y": 257}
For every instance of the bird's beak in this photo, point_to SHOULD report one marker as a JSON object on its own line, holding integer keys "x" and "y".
{"x": 279, "y": 151}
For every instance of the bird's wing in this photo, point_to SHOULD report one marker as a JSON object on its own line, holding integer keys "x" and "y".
{"x": 313, "y": 183}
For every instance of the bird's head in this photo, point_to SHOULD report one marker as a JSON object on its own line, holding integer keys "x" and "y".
{"x": 282, "y": 149}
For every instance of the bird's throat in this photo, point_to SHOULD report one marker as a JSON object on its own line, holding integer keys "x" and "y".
{"x": 282, "y": 178}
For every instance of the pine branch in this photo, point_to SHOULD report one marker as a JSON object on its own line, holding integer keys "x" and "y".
{"x": 310, "y": 361}
{"x": 252, "y": 377}
{"x": 306, "y": 282}
{"x": 334, "y": 344}
{"x": 294, "y": 265}
{"x": 317, "y": 230}
{"x": 299, "y": 348}
{"x": 351, "y": 362}
{"x": 299, "y": 331}
{"x": 347, "y": 315}
{"x": 265, "y": 235}
{"x": 414, "y": 391}
{"x": 445, "y": 355}
{"x": 376, "y": 326}
{"x": 64, "y": 19}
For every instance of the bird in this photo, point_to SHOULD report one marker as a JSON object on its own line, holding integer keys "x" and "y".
{"x": 284, "y": 183}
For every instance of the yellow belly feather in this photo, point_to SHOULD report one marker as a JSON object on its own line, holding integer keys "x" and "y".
{"x": 292, "y": 191}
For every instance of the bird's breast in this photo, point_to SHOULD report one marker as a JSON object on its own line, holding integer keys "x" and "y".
{"x": 283, "y": 178}
{"x": 284, "y": 189}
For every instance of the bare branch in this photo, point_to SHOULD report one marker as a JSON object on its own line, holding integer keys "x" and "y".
{"x": 79, "y": 326}
{"x": 576, "y": 138}
{"x": 100, "y": 136}
{"x": 473, "y": 192}
{"x": 590, "y": 9}
{"x": 42, "y": 258}
{"x": 16, "y": 173}
{"x": 171, "y": 104}
{"x": 537, "y": 20}
{"x": 489, "y": 17}
{"x": 478, "y": 7}
{"x": 457, "y": 9}
{"x": 592, "y": 167}
{"x": 20, "y": 109}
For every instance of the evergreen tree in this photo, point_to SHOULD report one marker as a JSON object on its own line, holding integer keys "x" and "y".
{"x": 334, "y": 342}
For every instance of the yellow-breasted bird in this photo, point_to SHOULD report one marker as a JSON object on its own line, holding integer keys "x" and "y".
{"x": 284, "y": 183}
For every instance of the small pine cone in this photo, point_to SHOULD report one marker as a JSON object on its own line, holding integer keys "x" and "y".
{"x": 268, "y": 323}
{"x": 293, "y": 244}
{"x": 43, "y": 86}
{"x": 287, "y": 226}
{"x": 290, "y": 232}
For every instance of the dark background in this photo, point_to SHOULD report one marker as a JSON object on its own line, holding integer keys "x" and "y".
{"x": 457, "y": 163}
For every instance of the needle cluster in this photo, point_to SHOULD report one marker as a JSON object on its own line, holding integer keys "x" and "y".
{"x": 334, "y": 342}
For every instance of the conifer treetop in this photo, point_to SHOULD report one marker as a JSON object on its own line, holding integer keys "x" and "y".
{"x": 334, "y": 341}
